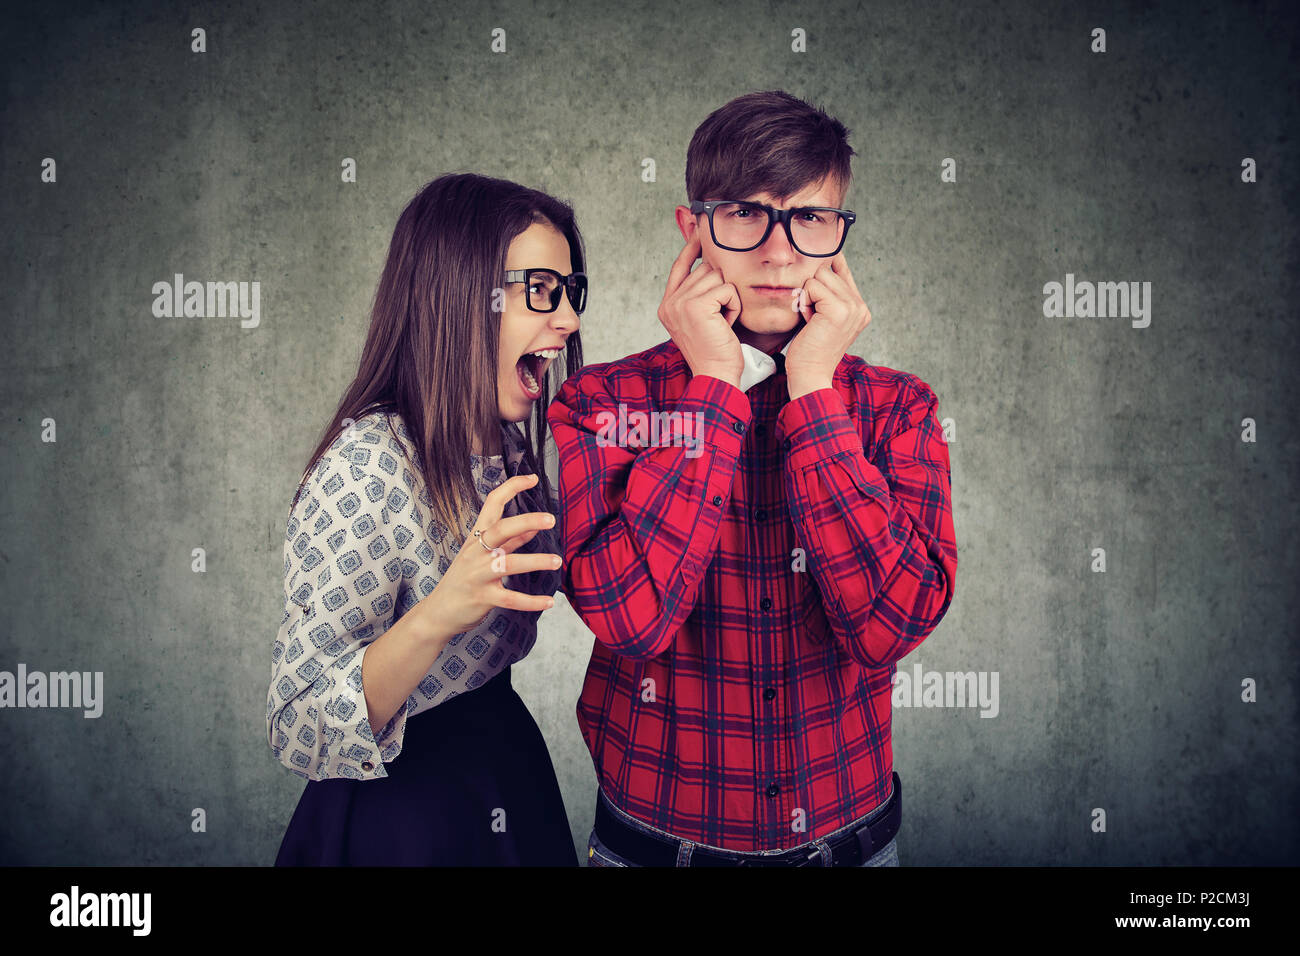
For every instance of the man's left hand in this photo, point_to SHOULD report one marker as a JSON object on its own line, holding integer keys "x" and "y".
{"x": 835, "y": 316}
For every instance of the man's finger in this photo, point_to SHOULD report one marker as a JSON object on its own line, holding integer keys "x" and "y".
{"x": 727, "y": 300}
{"x": 814, "y": 291}
{"x": 835, "y": 281}
{"x": 703, "y": 277}
{"x": 803, "y": 302}
{"x": 682, "y": 264}
{"x": 840, "y": 266}
{"x": 821, "y": 293}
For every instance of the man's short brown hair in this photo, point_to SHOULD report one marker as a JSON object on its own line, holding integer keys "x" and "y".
{"x": 769, "y": 142}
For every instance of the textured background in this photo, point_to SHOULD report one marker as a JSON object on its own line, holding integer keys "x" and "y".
{"x": 1118, "y": 690}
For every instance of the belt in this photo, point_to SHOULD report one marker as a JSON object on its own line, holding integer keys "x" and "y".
{"x": 852, "y": 848}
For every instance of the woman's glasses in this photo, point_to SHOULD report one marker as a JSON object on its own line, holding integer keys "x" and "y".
{"x": 544, "y": 287}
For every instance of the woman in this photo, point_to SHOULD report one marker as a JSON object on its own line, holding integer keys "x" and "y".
{"x": 421, "y": 549}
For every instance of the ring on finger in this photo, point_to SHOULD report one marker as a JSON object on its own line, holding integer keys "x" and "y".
{"x": 479, "y": 536}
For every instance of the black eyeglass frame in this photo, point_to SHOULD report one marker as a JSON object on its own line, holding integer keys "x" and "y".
{"x": 574, "y": 285}
{"x": 783, "y": 216}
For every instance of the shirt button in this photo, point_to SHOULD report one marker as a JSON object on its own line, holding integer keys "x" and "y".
{"x": 739, "y": 427}
{"x": 787, "y": 444}
{"x": 717, "y": 499}
{"x": 765, "y": 604}
{"x": 769, "y": 693}
{"x": 773, "y": 790}
{"x": 367, "y": 766}
{"x": 760, "y": 515}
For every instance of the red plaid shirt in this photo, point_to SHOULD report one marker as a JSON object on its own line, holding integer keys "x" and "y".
{"x": 750, "y": 597}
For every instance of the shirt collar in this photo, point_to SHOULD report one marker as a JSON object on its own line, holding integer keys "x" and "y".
{"x": 758, "y": 365}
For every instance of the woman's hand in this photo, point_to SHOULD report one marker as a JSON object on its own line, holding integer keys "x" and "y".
{"x": 472, "y": 585}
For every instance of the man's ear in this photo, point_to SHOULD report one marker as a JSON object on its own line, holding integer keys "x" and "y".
{"x": 685, "y": 222}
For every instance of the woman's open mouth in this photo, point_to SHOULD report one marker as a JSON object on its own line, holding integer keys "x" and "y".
{"x": 531, "y": 370}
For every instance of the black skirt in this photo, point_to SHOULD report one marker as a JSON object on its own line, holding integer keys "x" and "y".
{"x": 473, "y": 786}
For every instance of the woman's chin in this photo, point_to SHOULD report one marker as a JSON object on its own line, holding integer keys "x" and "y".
{"x": 517, "y": 412}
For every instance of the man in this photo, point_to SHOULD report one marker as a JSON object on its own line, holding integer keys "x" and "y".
{"x": 754, "y": 565}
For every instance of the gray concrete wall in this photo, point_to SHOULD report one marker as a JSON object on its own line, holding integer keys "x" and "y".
{"x": 1119, "y": 690}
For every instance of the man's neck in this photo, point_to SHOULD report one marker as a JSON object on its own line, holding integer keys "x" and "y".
{"x": 768, "y": 343}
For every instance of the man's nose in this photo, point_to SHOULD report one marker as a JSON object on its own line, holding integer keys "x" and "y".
{"x": 777, "y": 249}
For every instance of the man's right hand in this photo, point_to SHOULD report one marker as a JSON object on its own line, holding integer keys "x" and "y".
{"x": 692, "y": 312}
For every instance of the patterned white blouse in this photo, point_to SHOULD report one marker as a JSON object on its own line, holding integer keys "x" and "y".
{"x": 361, "y": 549}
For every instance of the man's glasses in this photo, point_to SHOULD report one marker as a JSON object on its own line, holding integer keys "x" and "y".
{"x": 544, "y": 287}
{"x": 741, "y": 226}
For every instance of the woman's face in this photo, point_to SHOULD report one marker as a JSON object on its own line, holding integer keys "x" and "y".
{"x": 530, "y": 341}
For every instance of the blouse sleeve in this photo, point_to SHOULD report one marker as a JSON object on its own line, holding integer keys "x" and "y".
{"x": 344, "y": 574}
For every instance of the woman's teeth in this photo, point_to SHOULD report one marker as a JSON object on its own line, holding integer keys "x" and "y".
{"x": 529, "y": 382}
{"x": 526, "y": 376}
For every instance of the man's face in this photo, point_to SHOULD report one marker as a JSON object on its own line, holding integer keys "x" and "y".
{"x": 766, "y": 278}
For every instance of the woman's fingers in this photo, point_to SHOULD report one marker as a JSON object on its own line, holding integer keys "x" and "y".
{"x": 495, "y": 501}
{"x": 508, "y": 564}
{"x": 502, "y": 536}
{"x": 504, "y": 597}
{"x": 517, "y": 542}
{"x": 507, "y": 528}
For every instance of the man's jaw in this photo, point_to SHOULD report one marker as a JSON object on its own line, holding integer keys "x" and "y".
{"x": 771, "y": 336}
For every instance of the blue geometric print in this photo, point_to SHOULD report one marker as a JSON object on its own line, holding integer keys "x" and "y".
{"x": 386, "y": 552}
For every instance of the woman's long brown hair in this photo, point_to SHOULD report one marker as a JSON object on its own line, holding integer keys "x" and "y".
{"x": 431, "y": 351}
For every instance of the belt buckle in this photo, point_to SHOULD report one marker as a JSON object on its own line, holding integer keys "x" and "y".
{"x": 813, "y": 854}
{"x": 805, "y": 860}
{"x": 865, "y": 846}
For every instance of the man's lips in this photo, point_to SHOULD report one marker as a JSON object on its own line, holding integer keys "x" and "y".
{"x": 773, "y": 289}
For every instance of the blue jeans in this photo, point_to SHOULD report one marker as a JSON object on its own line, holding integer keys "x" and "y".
{"x": 600, "y": 855}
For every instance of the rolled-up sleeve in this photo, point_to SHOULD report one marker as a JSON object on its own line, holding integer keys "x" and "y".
{"x": 640, "y": 525}
{"x": 879, "y": 534}
{"x": 344, "y": 569}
